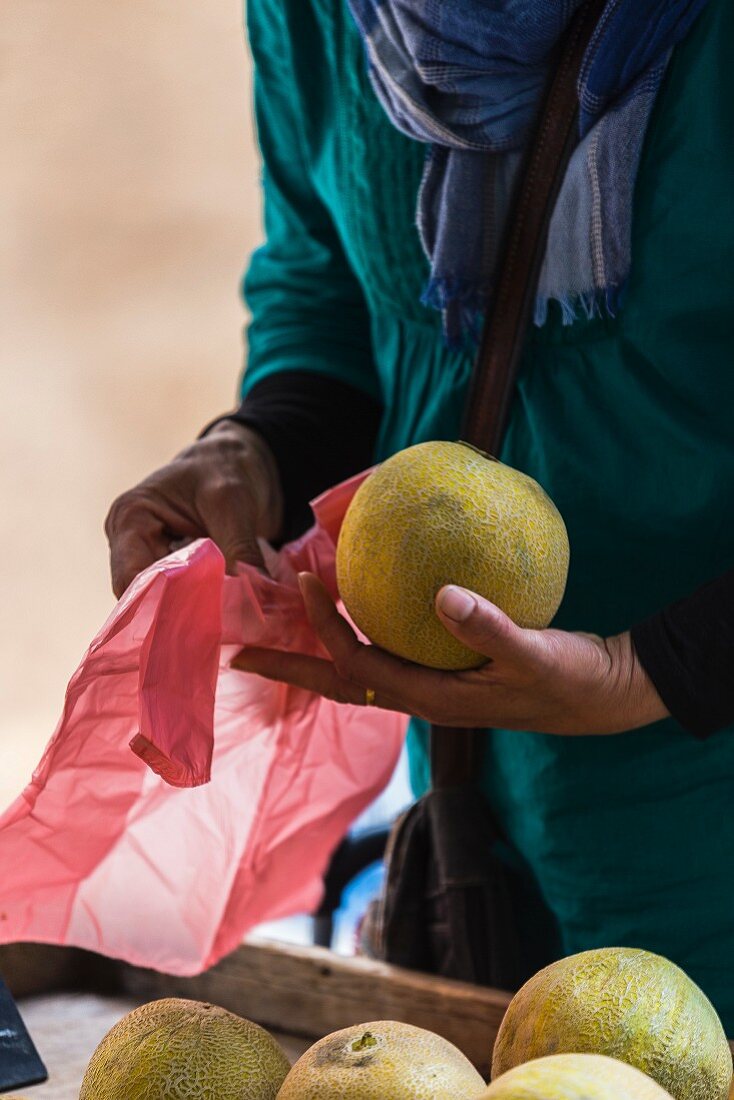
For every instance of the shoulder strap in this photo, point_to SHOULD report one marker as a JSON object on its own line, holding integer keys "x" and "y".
{"x": 454, "y": 751}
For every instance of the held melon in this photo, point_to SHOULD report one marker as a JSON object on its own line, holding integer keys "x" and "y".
{"x": 185, "y": 1050}
{"x": 445, "y": 513}
{"x": 383, "y": 1060}
{"x": 627, "y": 1004}
{"x": 575, "y": 1077}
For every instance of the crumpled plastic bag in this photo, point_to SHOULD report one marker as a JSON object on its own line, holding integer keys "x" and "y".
{"x": 236, "y": 791}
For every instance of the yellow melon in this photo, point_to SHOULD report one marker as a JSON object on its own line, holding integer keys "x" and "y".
{"x": 445, "y": 513}
{"x": 185, "y": 1050}
{"x": 383, "y": 1060}
{"x": 575, "y": 1077}
{"x": 627, "y": 1004}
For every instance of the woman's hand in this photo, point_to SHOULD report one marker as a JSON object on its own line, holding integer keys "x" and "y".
{"x": 224, "y": 486}
{"x": 549, "y": 681}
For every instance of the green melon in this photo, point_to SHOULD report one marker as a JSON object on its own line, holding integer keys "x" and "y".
{"x": 444, "y": 513}
{"x": 185, "y": 1050}
{"x": 625, "y": 1003}
{"x": 383, "y": 1060}
{"x": 575, "y": 1077}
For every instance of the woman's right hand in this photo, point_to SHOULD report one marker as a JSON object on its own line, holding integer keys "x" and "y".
{"x": 225, "y": 487}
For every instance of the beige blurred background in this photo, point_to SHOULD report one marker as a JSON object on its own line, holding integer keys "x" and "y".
{"x": 129, "y": 202}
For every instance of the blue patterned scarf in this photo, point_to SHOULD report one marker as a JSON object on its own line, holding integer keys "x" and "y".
{"x": 467, "y": 77}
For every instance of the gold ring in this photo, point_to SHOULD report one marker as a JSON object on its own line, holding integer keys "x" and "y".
{"x": 369, "y": 697}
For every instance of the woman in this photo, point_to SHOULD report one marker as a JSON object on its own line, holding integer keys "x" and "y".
{"x": 623, "y": 416}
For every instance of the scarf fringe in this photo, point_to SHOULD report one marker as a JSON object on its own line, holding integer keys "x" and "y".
{"x": 601, "y": 302}
{"x": 463, "y": 305}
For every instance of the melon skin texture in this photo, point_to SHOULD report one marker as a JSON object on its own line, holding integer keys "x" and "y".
{"x": 575, "y": 1077}
{"x": 383, "y": 1060}
{"x": 445, "y": 513}
{"x": 176, "y": 1049}
{"x": 625, "y": 1003}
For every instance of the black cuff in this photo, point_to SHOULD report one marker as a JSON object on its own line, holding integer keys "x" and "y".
{"x": 320, "y": 431}
{"x": 687, "y": 651}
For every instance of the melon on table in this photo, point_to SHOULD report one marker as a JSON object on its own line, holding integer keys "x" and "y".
{"x": 628, "y": 1004}
{"x": 575, "y": 1077}
{"x": 445, "y": 513}
{"x": 176, "y": 1049}
{"x": 382, "y": 1060}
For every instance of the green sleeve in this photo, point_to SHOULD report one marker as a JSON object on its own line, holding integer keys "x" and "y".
{"x": 307, "y": 307}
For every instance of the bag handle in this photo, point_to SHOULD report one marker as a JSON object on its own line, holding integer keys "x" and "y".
{"x": 454, "y": 751}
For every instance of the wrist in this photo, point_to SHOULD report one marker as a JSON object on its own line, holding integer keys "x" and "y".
{"x": 635, "y": 701}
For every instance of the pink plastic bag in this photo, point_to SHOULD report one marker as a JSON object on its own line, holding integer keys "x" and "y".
{"x": 249, "y": 785}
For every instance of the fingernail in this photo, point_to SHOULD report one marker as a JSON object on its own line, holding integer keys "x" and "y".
{"x": 456, "y": 603}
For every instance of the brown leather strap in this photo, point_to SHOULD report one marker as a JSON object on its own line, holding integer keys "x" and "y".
{"x": 454, "y": 755}
{"x": 454, "y": 752}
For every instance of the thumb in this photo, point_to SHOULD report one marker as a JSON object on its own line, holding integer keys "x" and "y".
{"x": 240, "y": 546}
{"x": 246, "y": 551}
{"x": 483, "y": 627}
{"x": 231, "y": 525}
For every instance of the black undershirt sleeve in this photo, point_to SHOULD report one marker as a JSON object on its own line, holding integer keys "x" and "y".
{"x": 320, "y": 431}
{"x": 687, "y": 650}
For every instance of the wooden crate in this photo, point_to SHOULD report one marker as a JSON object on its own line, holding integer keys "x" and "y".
{"x": 302, "y": 993}
{"x": 309, "y": 991}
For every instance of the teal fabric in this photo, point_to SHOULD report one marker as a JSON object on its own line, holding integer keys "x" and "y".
{"x": 626, "y": 422}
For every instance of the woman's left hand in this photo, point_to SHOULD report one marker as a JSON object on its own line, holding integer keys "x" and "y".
{"x": 549, "y": 681}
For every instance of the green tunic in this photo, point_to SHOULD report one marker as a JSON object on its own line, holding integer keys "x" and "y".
{"x": 626, "y": 422}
